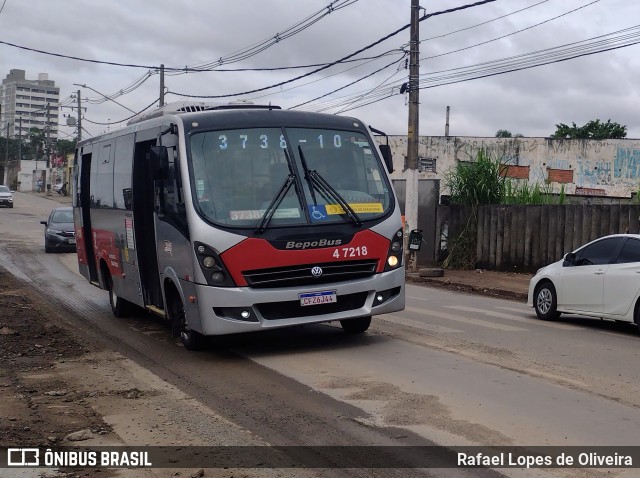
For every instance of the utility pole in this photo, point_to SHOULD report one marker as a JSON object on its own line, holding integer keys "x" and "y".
{"x": 161, "y": 86}
{"x": 20, "y": 141}
{"x": 48, "y": 181}
{"x": 6, "y": 156}
{"x": 413, "y": 134}
{"x": 446, "y": 125}
{"x": 79, "y": 117}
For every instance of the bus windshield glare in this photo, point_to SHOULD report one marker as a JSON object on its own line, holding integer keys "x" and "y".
{"x": 238, "y": 174}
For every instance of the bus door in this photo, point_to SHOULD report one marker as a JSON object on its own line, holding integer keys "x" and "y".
{"x": 84, "y": 201}
{"x": 173, "y": 245}
{"x": 143, "y": 220}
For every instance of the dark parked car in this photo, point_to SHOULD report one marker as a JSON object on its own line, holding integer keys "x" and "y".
{"x": 59, "y": 232}
{"x": 6, "y": 196}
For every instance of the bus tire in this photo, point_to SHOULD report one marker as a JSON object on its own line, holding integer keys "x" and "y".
{"x": 119, "y": 306}
{"x": 356, "y": 326}
{"x": 191, "y": 339}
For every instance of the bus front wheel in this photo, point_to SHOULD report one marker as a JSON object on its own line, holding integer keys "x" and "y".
{"x": 191, "y": 339}
{"x": 356, "y": 326}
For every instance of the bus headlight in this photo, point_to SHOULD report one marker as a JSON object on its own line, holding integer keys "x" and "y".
{"x": 394, "y": 256}
{"x": 217, "y": 277}
{"x": 214, "y": 270}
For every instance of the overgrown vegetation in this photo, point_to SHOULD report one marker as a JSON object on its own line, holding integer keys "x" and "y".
{"x": 522, "y": 193}
{"x": 483, "y": 181}
{"x": 594, "y": 129}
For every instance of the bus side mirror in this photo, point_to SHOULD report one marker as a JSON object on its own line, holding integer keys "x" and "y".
{"x": 158, "y": 162}
{"x": 385, "y": 150}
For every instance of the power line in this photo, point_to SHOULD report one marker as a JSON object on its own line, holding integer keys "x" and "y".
{"x": 282, "y": 90}
{"x": 598, "y": 44}
{"x": 122, "y": 120}
{"x": 484, "y": 23}
{"x": 295, "y": 67}
{"x": 545, "y": 57}
{"x": 510, "y": 34}
{"x": 371, "y": 45}
{"x": 368, "y": 92}
{"x": 255, "y": 49}
{"x": 389, "y": 52}
{"x": 126, "y": 90}
{"x": 230, "y": 59}
{"x": 349, "y": 84}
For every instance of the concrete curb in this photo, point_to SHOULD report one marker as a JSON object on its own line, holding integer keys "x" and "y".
{"x": 473, "y": 289}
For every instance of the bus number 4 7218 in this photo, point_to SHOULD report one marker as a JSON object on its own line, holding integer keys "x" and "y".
{"x": 345, "y": 252}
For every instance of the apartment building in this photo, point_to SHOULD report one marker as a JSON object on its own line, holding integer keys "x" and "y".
{"x": 24, "y": 104}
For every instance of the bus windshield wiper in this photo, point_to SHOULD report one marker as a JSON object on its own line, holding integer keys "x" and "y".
{"x": 275, "y": 202}
{"x": 279, "y": 197}
{"x": 316, "y": 180}
{"x": 307, "y": 175}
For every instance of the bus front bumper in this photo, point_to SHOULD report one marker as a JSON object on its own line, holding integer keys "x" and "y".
{"x": 248, "y": 310}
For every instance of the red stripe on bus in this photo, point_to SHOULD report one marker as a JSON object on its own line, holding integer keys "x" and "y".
{"x": 254, "y": 253}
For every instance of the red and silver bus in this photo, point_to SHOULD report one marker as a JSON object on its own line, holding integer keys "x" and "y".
{"x": 238, "y": 218}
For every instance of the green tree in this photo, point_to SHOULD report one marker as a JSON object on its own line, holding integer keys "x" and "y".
{"x": 65, "y": 146}
{"x": 34, "y": 146}
{"x": 503, "y": 133}
{"x": 594, "y": 129}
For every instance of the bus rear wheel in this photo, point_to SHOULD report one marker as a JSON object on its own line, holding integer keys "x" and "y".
{"x": 356, "y": 326}
{"x": 191, "y": 339}
{"x": 119, "y": 306}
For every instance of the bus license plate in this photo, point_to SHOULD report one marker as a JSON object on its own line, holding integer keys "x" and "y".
{"x": 317, "y": 298}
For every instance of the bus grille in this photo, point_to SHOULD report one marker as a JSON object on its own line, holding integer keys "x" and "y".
{"x": 300, "y": 275}
{"x": 292, "y": 308}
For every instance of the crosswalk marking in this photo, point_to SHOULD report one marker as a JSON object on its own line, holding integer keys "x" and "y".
{"x": 465, "y": 320}
{"x": 420, "y": 325}
{"x": 517, "y": 309}
{"x": 499, "y": 315}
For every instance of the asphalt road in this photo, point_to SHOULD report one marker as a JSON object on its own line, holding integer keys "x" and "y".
{"x": 452, "y": 369}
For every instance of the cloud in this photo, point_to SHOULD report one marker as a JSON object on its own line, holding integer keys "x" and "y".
{"x": 153, "y": 32}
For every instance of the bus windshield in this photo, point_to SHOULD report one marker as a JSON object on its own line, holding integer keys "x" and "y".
{"x": 238, "y": 174}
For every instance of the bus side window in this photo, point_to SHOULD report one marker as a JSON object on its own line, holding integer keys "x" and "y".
{"x": 172, "y": 202}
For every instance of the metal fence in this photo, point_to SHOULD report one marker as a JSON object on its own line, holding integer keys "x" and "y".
{"x": 525, "y": 238}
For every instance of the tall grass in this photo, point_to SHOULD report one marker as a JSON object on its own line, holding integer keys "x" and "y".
{"x": 476, "y": 182}
{"x": 480, "y": 182}
{"x": 522, "y": 193}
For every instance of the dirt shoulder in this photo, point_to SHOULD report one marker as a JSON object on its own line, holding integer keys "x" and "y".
{"x": 59, "y": 386}
{"x": 30, "y": 345}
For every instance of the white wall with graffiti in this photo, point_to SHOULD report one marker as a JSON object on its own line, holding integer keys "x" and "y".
{"x": 582, "y": 167}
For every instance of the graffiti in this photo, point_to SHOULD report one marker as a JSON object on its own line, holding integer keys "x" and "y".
{"x": 611, "y": 165}
{"x": 627, "y": 163}
{"x": 594, "y": 173}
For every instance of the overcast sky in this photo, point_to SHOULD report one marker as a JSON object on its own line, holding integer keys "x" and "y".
{"x": 191, "y": 33}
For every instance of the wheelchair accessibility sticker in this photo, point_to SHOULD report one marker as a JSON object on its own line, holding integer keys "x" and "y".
{"x": 318, "y": 213}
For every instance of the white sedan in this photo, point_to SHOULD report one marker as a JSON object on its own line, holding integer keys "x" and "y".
{"x": 600, "y": 279}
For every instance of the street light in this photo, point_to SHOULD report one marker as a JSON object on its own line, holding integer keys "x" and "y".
{"x": 104, "y": 96}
